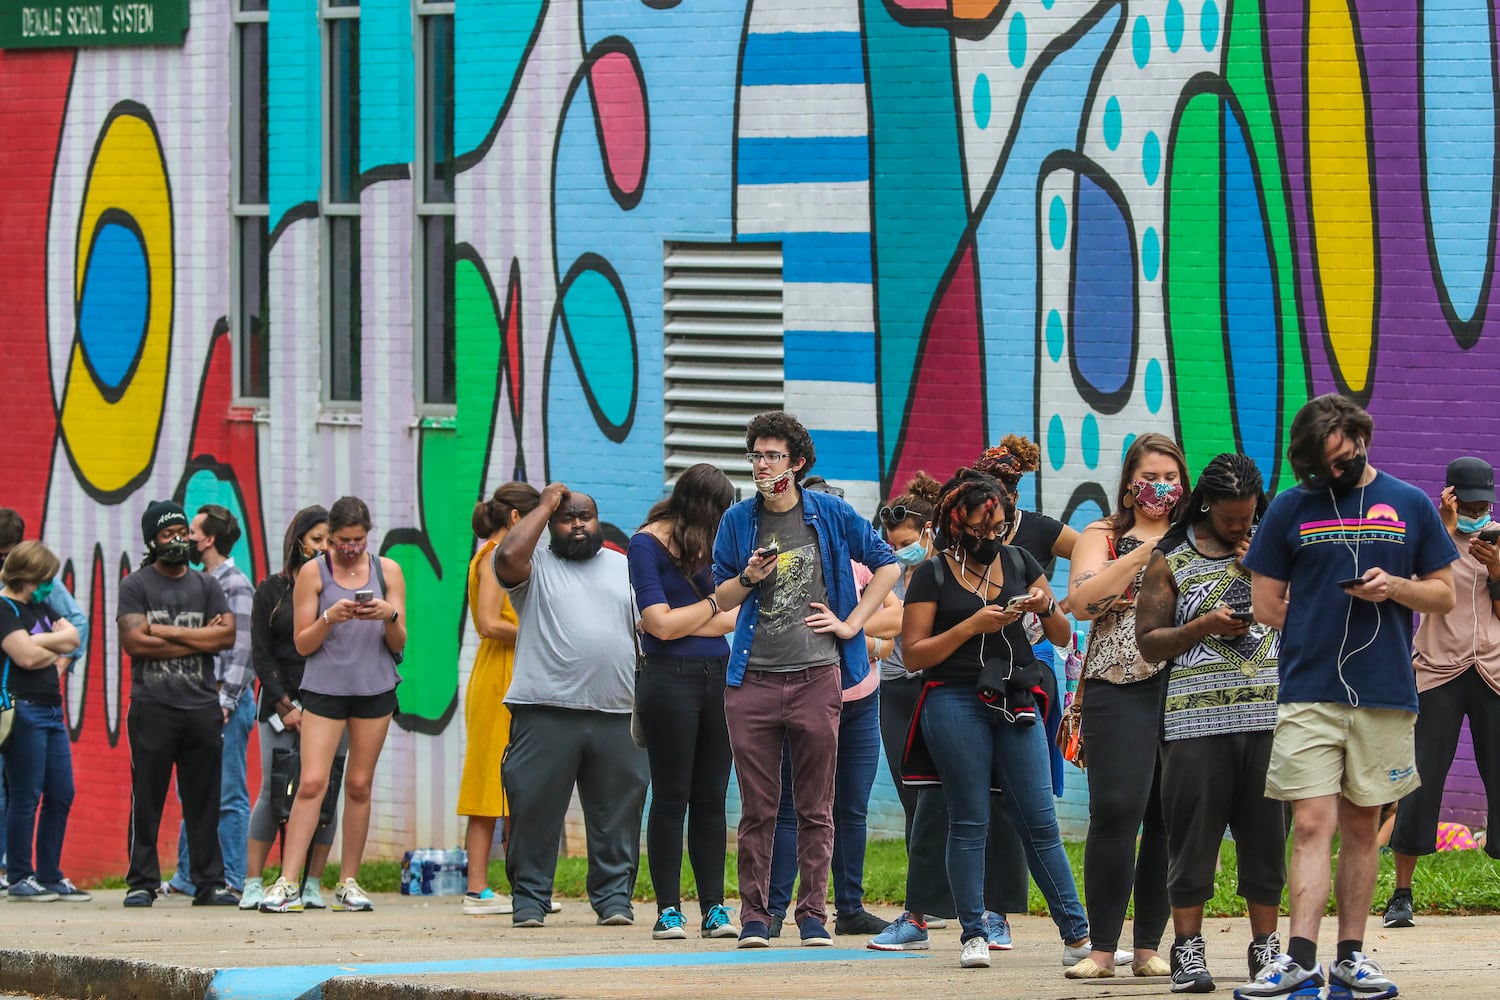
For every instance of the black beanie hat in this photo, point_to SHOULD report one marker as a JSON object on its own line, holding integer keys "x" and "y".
{"x": 161, "y": 514}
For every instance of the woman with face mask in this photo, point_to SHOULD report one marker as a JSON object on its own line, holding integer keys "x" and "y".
{"x": 1121, "y": 699}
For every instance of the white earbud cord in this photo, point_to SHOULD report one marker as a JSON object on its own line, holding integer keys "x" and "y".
{"x": 1344, "y": 657}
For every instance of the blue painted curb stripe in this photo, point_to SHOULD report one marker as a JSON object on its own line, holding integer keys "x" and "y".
{"x": 793, "y": 58}
{"x": 791, "y": 160}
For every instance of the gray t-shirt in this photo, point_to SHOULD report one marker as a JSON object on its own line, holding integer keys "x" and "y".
{"x": 190, "y": 601}
{"x": 573, "y": 644}
{"x": 783, "y": 642}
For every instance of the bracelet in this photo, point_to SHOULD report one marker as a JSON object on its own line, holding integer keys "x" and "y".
{"x": 1495, "y": 590}
{"x": 326, "y": 621}
{"x": 1051, "y": 607}
{"x": 879, "y": 648}
{"x": 712, "y": 603}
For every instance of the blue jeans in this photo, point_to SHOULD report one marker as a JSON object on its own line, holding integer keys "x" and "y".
{"x": 38, "y": 770}
{"x": 234, "y": 803}
{"x": 975, "y": 750}
{"x": 854, "y": 776}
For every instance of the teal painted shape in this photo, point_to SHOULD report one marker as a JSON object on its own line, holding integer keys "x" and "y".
{"x": 1113, "y": 123}
{"x": 597, "y": 323}
{"x": 1055, "y": 337}
{"x": 205, "y": 487}
{"x": 387, "y": 113}
{"x": 1151, "y": 157}
{"x": 293, "y": 106}
{"x": 1140, "y": 41}
{"x": 1057, "y": 222}
{"x": 982, "y": 101}
{"x": 490, "y": 38}
{"x": 1017, "y": 40}
{"x": 1088, "y": 441}
{"x": 919, "y": 204}
{"x": 1057, "y": 442}
{"x": 1154, "y": 385}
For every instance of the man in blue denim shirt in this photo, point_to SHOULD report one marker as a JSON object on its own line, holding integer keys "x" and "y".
{"x": 785, "y": 555}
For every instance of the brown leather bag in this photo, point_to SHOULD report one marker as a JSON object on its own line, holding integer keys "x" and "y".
{"x": 1070, "y": 731}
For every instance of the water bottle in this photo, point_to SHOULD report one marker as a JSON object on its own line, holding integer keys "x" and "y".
{"x": 406, "y": 873}
{"x": 428, "y": 866}
{"x": 440, "y": 874}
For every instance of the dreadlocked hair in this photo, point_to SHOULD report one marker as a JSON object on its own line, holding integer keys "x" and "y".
{"x": 967, "y": 492}
{"x": 1009, "y": 460}
{"x": 1230, "y": 476}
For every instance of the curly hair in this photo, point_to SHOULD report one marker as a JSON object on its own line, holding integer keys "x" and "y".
{"x": 920, "y": 500}
{"x": 1009, "y": 460}
{"x": 783, "y": 426}
{"x": 968, "y": 491}
{"x": 1230, "y": 476}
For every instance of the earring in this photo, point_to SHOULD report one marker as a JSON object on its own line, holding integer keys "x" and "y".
{"x": 1203, "y": 509}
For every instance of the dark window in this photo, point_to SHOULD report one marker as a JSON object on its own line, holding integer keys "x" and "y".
{"x": 254, "y": 152}
{"x": 252, "y": 330}
{"x": 343, "y": 308}
{"x": 437, "y": 89}
{"x": 343, "y": 109}
{"x": 437, "y": 311}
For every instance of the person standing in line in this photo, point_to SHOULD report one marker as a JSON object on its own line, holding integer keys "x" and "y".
{"x": 1194, "y": 611}
{"x": 1120, "y": 700}
{"x": 349, "y": 606}
{"x": 1457, "y": 664}
{"x": 172, "y": 620}
{"x": 680, "y": 697}
{"x": 1339, "y": 564}
{"x": 212, "y": 534}
{"x": 570, "y": 704}
{"x": 481, "y": 791}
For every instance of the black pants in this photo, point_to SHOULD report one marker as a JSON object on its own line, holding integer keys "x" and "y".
{"x": 1122, "y": 737}
{"x": 192, "y": 741}
{"x": 680, "y": 702}
{"x": 1443, "y": 710}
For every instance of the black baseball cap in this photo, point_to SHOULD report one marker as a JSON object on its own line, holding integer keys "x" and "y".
{"x": 1472, "y": 479}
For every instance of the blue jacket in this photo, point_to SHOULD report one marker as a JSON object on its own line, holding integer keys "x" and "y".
{"x": 61, "y": 603}
{"x": 843, "y": 535}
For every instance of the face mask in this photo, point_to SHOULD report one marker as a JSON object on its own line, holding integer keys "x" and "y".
{"x": 913, "y": 554}
{"x": 44, "y": 590}
{"x": 775, "y": 486}
{"x": 1473, "y": 525}
{"x": 1342, "y": 480}
{"x": 981, "y": 550}
{"x": 174, "y": 553}
{"x": 195, "y": 555}
{"x": 349, "y": 551}
{"x": 1157, "y": 499}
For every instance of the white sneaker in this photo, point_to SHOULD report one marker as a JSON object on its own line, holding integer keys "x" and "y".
{"x": 976, "y": 954}
{"x": 349, "y": 896}
{"x": 1073, "y": 954}
{"x": 255, "y": 891}
{"x": 479, "y": 904}
{"x": 554, "y": 907}
{"x": 282, "y": 897}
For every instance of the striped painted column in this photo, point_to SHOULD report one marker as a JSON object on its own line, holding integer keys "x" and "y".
{"x": 802, "y": 177}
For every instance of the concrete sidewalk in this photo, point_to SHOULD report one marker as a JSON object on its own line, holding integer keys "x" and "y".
{"x": 426, "y": 949}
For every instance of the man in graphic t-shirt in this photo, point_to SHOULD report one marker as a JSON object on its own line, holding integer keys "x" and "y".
{"x": 785, "y": 556}
{"x": 1339, "y": 564}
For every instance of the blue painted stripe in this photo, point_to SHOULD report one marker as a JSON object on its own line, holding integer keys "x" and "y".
{"x": 793, "y": 57}
{"x": 826, "y": 159}
{"x": 825, "y": 257}
{"x": 847, "y": 454}
{"x": 827, "y": 356}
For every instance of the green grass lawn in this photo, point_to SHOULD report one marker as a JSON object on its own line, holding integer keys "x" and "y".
{"x": 1454, "y": 882}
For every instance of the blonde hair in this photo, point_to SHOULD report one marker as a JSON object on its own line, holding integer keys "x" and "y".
{"x": 29, "y": 562}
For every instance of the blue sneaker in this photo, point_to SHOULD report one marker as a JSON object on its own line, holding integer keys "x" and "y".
{"x": 755, "y": 935}
{"x": 29, "y": 890}
{"x": 1359, "y": 979}
{"x": 669, "y": 925}
{"x": 904, "y": 934}
{"x": 718, "y": 922}
{"x": 996, "y": 931}
{"x": 814, "y": 934}
{"x": 1284, "y": 978}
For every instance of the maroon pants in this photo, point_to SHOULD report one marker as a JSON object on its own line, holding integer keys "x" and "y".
{"x": 803, "y": 706}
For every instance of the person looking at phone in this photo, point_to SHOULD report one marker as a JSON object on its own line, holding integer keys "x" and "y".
{"x": 348, "y": 687}
{"x": 1457, "y": 666}
{"x": 784, "y": 555}
{"x": 1193, "y": 611}
{"x": 1348, "y": 699}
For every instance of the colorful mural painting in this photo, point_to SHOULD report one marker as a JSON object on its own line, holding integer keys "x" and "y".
{"x": 1077, "y": 219}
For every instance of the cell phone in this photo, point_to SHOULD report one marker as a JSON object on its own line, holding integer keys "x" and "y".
{"x": 1491, "y": 535}
{"x": 276, "y": 724}
{"x": 364, "y": 596}
{"x": 1353, "y": 581}
{"x": 768, "y": 552}
{"x": 1243, "y": 616}
{"x": 1014, "y": 604}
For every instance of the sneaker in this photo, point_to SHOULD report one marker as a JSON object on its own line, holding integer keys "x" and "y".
{"x": 618, "y": 918}
{"x": 222, "y": 896}
{"x": 1190, "y": 966}
{"x": 860, "y": 921}
{"x": 348, "y": 896}
{"x": 1359, "y": 978}
{"x": 718, "y": 922}
{"x": 479, "y": 904}
{"x": 67, "y": 891}
{"x": 312, "y": 894}
{"x": 29, "y": 890}
{"x": 776, "y": 921}
{"x": 902, "y": 934}
{"x": 1398, "y": 911}
{"x": 1284, "y": 978}
{"x": 139, "y": 897}
{"x": 537, "y": 920}
{"x": 976, "y": 954}
{"x": 553, "y": 906}
{"x": 1261, "y": 954}
{"x": 1075, "y": 953}
{"x": 996, "y": 931}
{"x": 755, "y": 935}
{"x": 282, "y": 897}
{"x": 814, "y": 934}
{"x": 255, "y": 891}
{"x": 669, "y": 926}
{"x": 4, "y": 885}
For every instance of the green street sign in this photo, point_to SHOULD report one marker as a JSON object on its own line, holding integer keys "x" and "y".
{"x": 36, "y": 24}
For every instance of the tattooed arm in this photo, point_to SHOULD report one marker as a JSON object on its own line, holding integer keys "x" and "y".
{"x": 1098, "y": 580}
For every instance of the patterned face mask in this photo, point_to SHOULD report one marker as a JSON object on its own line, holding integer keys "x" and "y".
{"x": 349, "y": 551}
{"x": 1156, "y": 499}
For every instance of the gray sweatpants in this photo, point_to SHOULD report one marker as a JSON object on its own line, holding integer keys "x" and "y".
{"x": 550, "y": 750}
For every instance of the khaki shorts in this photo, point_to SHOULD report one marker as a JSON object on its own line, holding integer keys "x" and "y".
{"x": 1367, "y": 755}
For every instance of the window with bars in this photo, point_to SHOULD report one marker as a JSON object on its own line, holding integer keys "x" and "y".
{"x": 722, "y": 326}
{"x": 250, "y": 291}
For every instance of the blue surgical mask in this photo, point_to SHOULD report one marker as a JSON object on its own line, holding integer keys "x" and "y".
{"x": 43, "y": 591}
{"x": 913, "y": 554}
{"x": 1473, "y": 525}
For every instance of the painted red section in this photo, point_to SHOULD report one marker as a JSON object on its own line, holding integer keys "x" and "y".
{"x": 511, "y": 339}
{"x": 620, "y": 108}
{"x": 33, "y": 99}
{"x": 945, "y": 420}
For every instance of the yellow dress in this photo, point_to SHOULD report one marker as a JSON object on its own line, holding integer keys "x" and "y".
{"x": 486, "y": 718}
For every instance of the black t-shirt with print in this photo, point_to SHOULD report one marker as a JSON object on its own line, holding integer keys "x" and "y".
{"x": 956, "y": 602}
{"x": 41, "y": 685}
{"x": 190, "y": 601}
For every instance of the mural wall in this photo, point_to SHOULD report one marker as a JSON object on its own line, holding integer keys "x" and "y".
{"x": 1077, "y": 220}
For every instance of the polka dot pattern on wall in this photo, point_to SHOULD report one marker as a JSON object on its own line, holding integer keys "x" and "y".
{"x": 1150, "y": 254}
{"x": 1208, "y": 25}
{"x": 1055, "y": 335}
{"x": 1057, "y": 444}
{"x": 982, "y": 105}
{"x": 1088, "y": 441}
{"x": 1112, "y": 123}
{"x": 1017, "y": 40}
{"x": 1057, "y": 222}
{"x": 1151, "y": 157}
{"x": 1172, "y": 25}
{"x": 1140, "y": 41}
{"x": 1129, "y": 440}
{"x": 1153, "y": 386}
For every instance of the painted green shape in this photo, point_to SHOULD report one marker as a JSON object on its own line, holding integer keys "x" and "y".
{"x": 599, "y": 333}
{"x": 451, "y": 467}
{"x": 1200, "y": 367}
{"x": 917, "y": 194}
{"x": 1246, "y": 71}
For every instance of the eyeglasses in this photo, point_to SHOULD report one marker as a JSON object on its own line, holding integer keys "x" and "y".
{"x": 896, "y": 514}
{"x": 769, "y": 457}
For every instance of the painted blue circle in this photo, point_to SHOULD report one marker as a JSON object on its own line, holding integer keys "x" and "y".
{"x": 1088, "y": 441}
{"x": 1140, "y": 41}
{"x": 1054, "y": 335}
{"x": 1150, "y": 254}
{"x": 1112, "y": 123}
{"x": 1057, "y": 444}
{"x": 1018, "y": 40}
{"x": 1172, "y": 24}
{"x": 1151, "y": 157}
{"x": 1057, "y": 222}
{"x": 113, "y": 303}
{"x": 1129, "y": 440}
{"x": 982, "y": 101}
{"x": 1047, "y": 4}
{"x": 1153, "y": 386}
{"x": 1208, "y": 25}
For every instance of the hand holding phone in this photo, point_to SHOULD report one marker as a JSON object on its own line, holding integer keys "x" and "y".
{"x": 364, "y": 596}
{"x": 769, "y": 552}
{"x": 1243, "y": 616}
{"x": 1353, "y": 581}
{"x": 1490, "y": 535}
{"x": 1014, "y": 604}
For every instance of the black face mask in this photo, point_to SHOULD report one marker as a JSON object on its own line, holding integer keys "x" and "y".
{"x": 1343, "y": 479}
{"x": 195, "y": 555}
{"x": 981, "y": 550}
{"x": 174, "y": 553}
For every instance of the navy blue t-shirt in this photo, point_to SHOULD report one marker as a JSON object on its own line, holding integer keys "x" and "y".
{"x": 1314, "y": 538}
{"x": 656, "y": 581}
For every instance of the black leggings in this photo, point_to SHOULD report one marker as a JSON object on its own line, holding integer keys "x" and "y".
{"x": 680, "y": 702}
{"x": 1122, "y": 737}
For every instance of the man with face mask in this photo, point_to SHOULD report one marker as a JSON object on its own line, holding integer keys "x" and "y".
{"x": 785, "y": 556}
{"x": 570, "y": 700}
{"x": 172, "y": 620}
{"x": 1338, "y": 564}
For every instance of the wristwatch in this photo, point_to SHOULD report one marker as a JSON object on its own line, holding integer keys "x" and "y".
{"x": 745, "y": 581}
{"x": 394, "y": 615}
{"x": 1051, "y": 607}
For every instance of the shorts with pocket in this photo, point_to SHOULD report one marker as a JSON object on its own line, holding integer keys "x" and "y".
{"x": 1367, "y": 755}
{"x": 350, "y": 706}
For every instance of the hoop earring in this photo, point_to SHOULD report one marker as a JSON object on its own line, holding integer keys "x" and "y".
{"x": 1203, "y": 509}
